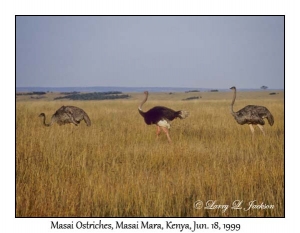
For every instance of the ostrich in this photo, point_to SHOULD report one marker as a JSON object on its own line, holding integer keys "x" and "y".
{"x": 251, "y": 115}
{"x": 161, "y": 116}
{"x": 66, "y": 115}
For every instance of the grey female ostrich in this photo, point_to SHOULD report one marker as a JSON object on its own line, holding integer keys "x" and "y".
{"x": 251, "y": 115}
{"x": 161, "y": 116}
{"x": 66, "y": 115}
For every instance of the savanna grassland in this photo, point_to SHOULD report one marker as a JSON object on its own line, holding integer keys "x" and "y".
{"x": 117, "y": 167}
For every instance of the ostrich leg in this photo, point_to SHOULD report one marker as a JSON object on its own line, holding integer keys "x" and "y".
{"x": 157, "y": 132}
{"x": 167, "y": 133}
{"x": 262, "y": 129}
{"x": 252, "y": 130}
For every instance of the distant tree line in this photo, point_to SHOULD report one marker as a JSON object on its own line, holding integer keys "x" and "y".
{"x": 192, "y": 98}
{"x": 70, "y": 93}
{"x": 33, "y": 93}
{"x": 192, "y": 91}
{"x": 95, "y": 96}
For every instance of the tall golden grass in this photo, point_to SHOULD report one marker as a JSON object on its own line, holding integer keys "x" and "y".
{"x": 117, "y": 168}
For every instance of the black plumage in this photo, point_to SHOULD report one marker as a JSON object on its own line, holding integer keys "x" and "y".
{"x": 154, "y": 115}
{"x": 161, "y": 116}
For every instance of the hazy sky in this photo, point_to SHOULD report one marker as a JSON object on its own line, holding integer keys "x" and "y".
{"x": 150, "y": 51}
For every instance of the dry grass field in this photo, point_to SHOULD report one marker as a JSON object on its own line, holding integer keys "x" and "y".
{"x": 117, "y": 168}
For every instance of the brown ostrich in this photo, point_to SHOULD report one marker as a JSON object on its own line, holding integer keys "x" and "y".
{"x": 67, "y": 115}
{"x": 251, "y": 115}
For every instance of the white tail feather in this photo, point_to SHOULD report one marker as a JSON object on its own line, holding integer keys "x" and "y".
{"x": 183, "y": 114}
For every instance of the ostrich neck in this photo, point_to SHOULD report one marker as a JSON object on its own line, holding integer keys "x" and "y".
{"x": 232, "y": 103}
{"x": 44, "y": 121}
{"x": 141, "y": 105}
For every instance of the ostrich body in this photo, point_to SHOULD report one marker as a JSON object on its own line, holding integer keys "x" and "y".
{"x": 161, "y": 116}
{"x": 251, "y": 115}
{"x": 67, "y": 115}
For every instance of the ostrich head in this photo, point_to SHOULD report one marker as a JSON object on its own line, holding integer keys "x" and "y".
{"x": 42, "y": 115}
{"x": 233, "y": 88}
{"x": 44, "y": 119}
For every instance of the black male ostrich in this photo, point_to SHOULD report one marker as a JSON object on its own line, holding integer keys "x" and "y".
{"x": 251, "y": 115}
{"x": 161, "y": 116}
{"x": 67, "y": 115}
